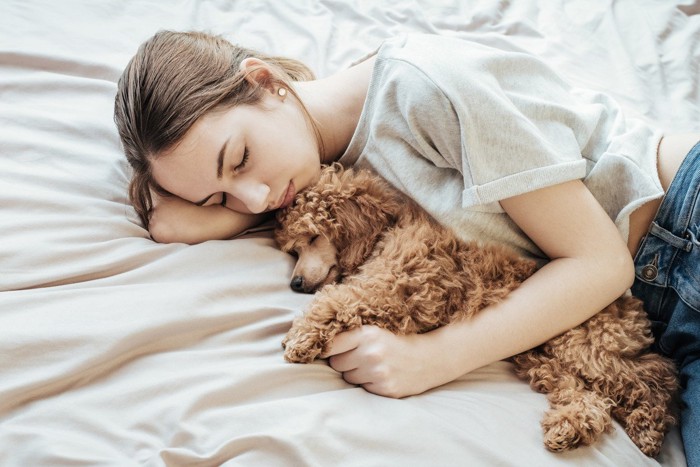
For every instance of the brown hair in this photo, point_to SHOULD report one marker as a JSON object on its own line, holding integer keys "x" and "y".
{"x": 173, "y": 80}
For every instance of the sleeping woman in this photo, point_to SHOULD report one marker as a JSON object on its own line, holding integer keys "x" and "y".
{"x": 492, "y": 142}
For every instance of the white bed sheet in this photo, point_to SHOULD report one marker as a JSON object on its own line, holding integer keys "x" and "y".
{"x": 115, "y": 350}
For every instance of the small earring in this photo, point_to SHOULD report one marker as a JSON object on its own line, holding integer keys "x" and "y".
{"x": 282, "y": 92}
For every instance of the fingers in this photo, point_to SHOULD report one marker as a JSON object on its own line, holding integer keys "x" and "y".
{"x": 375, "y": 359}
{"x": 385, "y": 363}
{"x": 343, "y": 362}
{"x": 375, "y": 385}
{"x": 343, "y": 342}
{"x": 360, "y": 356}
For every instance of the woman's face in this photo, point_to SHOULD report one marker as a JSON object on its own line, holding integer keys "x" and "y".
{"x": 253, "y": 158}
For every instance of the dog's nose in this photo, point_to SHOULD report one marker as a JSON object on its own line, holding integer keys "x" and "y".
{"x": 297, "y": 284}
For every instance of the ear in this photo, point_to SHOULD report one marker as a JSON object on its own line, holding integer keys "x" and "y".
{"x": 362, "y": 217}
{"x": 357, "y": 231}
{"x": 258, "y": 73}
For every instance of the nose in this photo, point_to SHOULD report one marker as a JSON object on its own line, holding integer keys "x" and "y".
{"x": 297, "y": 284}
{"x": 253, "y": 195}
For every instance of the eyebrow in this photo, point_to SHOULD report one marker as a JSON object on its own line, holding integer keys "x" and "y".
{"x": 220, "y": 161}
{"x": 219, "y": 171}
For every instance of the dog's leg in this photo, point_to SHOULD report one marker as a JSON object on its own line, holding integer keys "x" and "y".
{"x": 605, "y": 356}
{"x": 576, "y": 416}
{"x": 647, "y": 386}
{"x": 327, "y": 316}
{"x": 642, "y": 385}
{"x": 346, "y": 306}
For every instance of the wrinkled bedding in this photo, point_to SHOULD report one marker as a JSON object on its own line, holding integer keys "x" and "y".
{"x": 115, "y": 350}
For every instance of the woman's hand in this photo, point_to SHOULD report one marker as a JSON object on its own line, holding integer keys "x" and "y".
{"x": 176, "y": 220}
{"x": 387, "y": 364}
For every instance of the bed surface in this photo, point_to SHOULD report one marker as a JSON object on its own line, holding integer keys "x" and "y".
{"x": 115, "y": 350}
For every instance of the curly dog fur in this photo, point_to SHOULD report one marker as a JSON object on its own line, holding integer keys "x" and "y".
{"x": 381, "y": 260}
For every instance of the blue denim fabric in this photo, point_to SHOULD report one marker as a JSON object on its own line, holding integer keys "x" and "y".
{"x": 667, "y": 268}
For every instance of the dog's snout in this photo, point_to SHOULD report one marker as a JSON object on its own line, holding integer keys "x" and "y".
{"x": 297, "y": 284}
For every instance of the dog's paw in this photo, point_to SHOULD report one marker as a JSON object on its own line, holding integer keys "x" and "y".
{"x": 294, "y": 354}
{"x": 573, "y": 425}
{"x": 561, "y": 436}
{"x": 301, "y": 347}
{"x": 646, "y": 429}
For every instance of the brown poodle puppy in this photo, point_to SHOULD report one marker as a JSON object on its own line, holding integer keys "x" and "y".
{"x": 384, "y": 261}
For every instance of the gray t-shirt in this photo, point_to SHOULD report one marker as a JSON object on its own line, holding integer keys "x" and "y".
{"x": 458, "y": 126}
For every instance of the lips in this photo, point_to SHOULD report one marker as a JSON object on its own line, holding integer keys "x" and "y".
{"x": 288, "y": 196}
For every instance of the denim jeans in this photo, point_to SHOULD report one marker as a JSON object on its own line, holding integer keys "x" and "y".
{"x": 667, "y": 279}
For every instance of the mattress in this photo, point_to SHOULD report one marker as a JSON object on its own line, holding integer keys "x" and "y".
{"x": 116, "y": 350}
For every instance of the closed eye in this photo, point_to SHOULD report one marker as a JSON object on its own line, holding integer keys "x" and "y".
{"x": 243, "y": 162}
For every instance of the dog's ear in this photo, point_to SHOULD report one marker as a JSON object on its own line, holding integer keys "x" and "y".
{"x": 305, "y": 219}
{"x": 350, "y": 207}
{"x": 372, "y": 195}
{"x": 309, "y": 214}
{"x": 366, "y": 206}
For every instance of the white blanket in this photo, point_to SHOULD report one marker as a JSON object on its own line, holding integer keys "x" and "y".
{"x": 115, "y": 350}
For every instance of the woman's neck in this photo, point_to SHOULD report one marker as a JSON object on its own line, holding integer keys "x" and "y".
{"x": 336, "y": 103}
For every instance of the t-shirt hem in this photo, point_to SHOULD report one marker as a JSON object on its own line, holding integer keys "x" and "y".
{"x": 522, "y": 182}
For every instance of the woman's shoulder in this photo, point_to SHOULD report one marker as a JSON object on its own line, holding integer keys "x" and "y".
{"x": 421, "y": 49}
{"x": 441, "y": 49}
{"x": 416, "y": 60}
{"x": 455, "y": 64}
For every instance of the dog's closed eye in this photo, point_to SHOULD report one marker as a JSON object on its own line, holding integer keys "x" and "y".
{"x": 300, "y": 245}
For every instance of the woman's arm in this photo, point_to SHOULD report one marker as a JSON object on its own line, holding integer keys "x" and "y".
{"x": 590, "y": 267}
{"x": 176, "y": 220}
